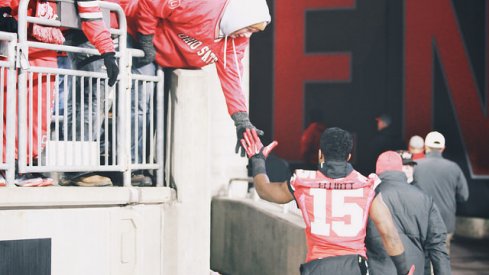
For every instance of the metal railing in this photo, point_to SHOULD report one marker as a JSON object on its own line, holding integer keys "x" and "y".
{"x": 70, "y": 143}
{"x": 7, "y": 103}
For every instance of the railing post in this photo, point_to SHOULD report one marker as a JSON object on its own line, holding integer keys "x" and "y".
{"x": 22, "y": 64}
{"x": 9, "y": 115}
{"x": 124, "y": 103}
{"x": 125, "y": 117}
{"x": 160, "y": 138}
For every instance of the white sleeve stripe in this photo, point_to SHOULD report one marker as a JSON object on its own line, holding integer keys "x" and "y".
{"x": 90, "y": 15}
{"x": 88, "y": 4}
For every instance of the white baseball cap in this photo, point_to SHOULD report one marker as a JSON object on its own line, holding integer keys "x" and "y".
{"x": 435, "y": 140}
{"x": 416, "y": 142}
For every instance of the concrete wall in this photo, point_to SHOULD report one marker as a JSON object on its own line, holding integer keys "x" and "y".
{"x": 97, "y": 231}
{"x": 225, "y": 163}
{"x": 201, "y": 160}
{"x": 255, "y": 237}
{"x": 186, "y": 241}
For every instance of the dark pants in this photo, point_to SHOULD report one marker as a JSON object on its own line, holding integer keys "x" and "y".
{"x": 343, "y": 265}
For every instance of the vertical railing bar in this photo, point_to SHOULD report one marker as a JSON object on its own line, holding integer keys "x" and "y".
{"x": 65, "y": 104}
{"x": 90, "y": 110}
{"x": 115, "y": 112}
{"x": 97, "y": 118}
{"x": 160, "y": 143}
{"x": 74, "y": 79}
{"x": 144, "y": 128}
{"x": 56, "y": 107}
{"x": 136, "y": 122}
{"x": 74, "y": 132}
{"x": 49, "y": 111}
{"x": 82, "y": 119}
{"x": 12, "y": 122}
{"x": 151, "y": 124}
{"x": 40, "y": 90}
{"x": 2, "y": 112}
{"x": 106, "y": 123}
{"x": 31, "y": 119}
{"x": 82, "y": 108}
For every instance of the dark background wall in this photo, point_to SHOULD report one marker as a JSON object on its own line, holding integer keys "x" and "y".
{"x": 423, "y": 62}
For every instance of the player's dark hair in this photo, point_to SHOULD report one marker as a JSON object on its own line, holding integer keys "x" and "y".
{"x": 336, "y": 144}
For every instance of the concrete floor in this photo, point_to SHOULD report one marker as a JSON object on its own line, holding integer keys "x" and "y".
{"x": 470, "y": 257}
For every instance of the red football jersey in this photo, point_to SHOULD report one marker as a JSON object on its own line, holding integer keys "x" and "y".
{"x": 335, "y": 212}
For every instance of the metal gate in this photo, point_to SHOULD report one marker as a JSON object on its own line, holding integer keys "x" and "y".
{"x": 71, "y": 143}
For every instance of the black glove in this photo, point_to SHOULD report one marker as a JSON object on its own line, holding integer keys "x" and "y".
{"x": 7, "y": 22}
{"x": 242, "y": 122}
{"x": 112, "y": 68}
{"x": 146, "y": 44}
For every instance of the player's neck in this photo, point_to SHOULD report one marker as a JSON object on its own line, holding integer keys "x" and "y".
{"x": 336, "y": 169}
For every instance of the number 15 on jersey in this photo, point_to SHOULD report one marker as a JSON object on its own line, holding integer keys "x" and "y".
{"x": 339, "y": 214}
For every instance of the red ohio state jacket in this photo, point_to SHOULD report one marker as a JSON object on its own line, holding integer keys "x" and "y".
{"x": 186, "y": 35}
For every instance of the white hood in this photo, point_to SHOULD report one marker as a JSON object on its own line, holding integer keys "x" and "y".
{"x": 240, "y": 14}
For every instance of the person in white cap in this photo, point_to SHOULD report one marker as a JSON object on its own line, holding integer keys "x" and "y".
{"x": 442, "y": 179}
{"x": 416, "y": 147}
{"x": 192, "y": 34}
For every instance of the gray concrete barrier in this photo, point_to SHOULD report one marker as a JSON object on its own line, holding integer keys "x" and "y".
{"x": 476, "y": 228}
{"x": 250, "y": 237}
{"x": 256, "y": 237}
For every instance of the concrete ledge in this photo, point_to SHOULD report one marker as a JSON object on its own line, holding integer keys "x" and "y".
{"x": 11, "y": 197}
{"x": 255, "y": 237}
{"x": 475, "y": 228}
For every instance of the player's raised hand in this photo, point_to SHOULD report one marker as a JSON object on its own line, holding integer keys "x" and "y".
{"x": 253, "y": 145}
{"x": 242, "y": 122}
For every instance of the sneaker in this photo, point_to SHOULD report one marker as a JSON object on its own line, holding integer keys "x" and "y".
{"x": 3, "y": 182}
{"x": 93, "y": 181}
{"x": 46, "y": 181}
{"x": 141, "y": 180}
{"x": 33, "y": 180}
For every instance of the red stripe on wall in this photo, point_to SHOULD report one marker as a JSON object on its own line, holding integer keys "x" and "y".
{"x": 424, "y": 33}
{"x": 293, "y": 68}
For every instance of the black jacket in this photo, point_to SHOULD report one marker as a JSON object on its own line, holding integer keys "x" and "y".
{"x": 445, "y": 182}
{"x": 418, "y": 222}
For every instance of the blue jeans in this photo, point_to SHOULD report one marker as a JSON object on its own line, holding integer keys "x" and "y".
{"x": 64, "y": 62}
{"x": 96, "y": 109}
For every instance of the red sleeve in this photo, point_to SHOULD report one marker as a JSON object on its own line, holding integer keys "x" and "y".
{"x": 98, "y": 35}
{"x": 149, "y": 12}
{"x": 94, "y": 27}
{"x": 5, "y": 3}
{"x": 14, "y": 5}
{"x": 229, "y": 77}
